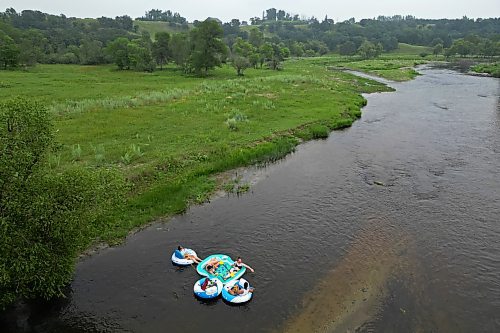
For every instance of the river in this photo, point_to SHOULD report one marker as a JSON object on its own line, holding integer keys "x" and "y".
{"x": 392, "y": 225}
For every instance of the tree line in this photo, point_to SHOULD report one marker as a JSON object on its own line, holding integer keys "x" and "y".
{"x": 164, "y": 16}
{"x": 31, "y": 37}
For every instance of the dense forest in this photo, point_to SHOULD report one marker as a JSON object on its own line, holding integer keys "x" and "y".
{"x": 31, "y": 37}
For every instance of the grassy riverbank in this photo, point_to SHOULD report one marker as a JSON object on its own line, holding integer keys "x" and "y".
{"x": 395, "y": 68}
{"x": 492, "y": 69}
{"x": 170, "y": 134}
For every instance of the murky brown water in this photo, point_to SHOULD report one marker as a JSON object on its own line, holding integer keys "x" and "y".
{"x": 389, "y": 226}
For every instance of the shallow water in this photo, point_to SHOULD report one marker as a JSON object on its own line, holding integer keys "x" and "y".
{"x": 391, "y": 225}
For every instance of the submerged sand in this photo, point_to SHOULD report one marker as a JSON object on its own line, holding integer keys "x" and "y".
{"x": 353, "y": 291}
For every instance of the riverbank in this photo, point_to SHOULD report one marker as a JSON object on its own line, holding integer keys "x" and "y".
{"x": 171, "y": 134}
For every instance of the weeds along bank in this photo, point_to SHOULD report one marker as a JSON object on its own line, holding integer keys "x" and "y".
{"x": 170, "y": 134}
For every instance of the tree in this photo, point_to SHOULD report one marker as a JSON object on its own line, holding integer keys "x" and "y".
{"x": 208, "y": 49}
{"x": 271, "y": 14}
{"x": 317, "y": 46}
{"x": 254, "y": 59}
{"x": 32, "y": 47}
{"x": 242, "y": 50}
{"x": 180, "y": 47}
{"x": 297, "y": 49}
{"x": 389, "y": 43}
{"x": 240, "y": 63}
{"x": 124, "y": 22}
{"x": 267, "y": 52}
{"x": 119, "y": 52}
{"x": 369, "y": 50}
{"x": 256, "y": 37}
{"x": 274, "y": 54}
{"x": 280, "y": 15}
{"x": 45, "y": 217}
{"x": 461, "y": 47}
{"x": 348, "y": 48}
{"x": 255, "y": 20}
{"x": 91, "y": 52}
{"x": 438, "y": 49}
{"x": 284, "y": 52}
{"x": 235, "y": 23}
{"x": 9, "y": 52}
{"x": 161, "y": 51}
{"x": 140, "y": 57}
{"x": 134, "y": 54}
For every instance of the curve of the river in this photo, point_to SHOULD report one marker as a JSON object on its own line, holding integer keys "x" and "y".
{"x": 392, "y": 225}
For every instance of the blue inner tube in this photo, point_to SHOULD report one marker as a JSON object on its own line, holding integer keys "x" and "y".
{"x": 236, "y": 299}
{"x": 183, "y": 262}
{"x": 212, "y": 289}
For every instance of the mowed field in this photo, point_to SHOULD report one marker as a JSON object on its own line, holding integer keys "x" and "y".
{"x": 169, "y": 133}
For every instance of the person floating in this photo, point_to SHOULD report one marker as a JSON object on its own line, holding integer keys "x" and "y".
{"x": 214, "y": 262}
{"x": 240, "y": 288}
{"x": 238, "y": 264}
{"x": 187, "y": 254}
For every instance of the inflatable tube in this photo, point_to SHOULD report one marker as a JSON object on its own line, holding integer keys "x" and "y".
{"x": 236, "y": 299}
{"x": 213, "y": 289}
{"x": 183, "y": 262}
{"x": 225, "y": 271}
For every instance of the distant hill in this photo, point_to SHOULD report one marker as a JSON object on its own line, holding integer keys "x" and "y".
{"x": 157, "y": 26}
{"x": 404, "y": 48}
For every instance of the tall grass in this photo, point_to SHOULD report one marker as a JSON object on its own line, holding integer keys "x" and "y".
{"x": 142, "y": 99}
{"x": 76, "y": 152}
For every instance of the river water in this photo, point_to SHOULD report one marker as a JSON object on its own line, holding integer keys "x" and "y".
{"x": 392, "y": 225}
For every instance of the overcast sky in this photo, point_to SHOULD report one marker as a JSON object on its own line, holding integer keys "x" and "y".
{"x": 243, "y": 10}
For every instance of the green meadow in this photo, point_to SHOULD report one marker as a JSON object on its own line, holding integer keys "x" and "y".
{"x": 153, "y": 27}
{"x": 171, "y": 134}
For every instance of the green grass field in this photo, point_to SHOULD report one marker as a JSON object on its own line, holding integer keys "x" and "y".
{"x": 388, "y": 66}
{"x": 170, "y": 134}
{"x": 157, "y": 26}
{"x": 392, "y": 69}
{"x": 408, "y": 49}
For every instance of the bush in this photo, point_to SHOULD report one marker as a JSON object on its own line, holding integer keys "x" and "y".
{"x": 46, "y": 218}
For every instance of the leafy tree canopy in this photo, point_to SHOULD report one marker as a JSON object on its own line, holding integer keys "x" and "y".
{"x": 208, "y": 48}
{"x": 45, "y": 216}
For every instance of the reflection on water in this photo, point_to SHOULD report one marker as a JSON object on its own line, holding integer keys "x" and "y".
{"x": 389, "y": 226}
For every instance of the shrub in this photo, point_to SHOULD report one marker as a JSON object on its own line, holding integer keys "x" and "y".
{"x": 235, "y": 118}
{"x": 232, "y": 124}
{"x": 45, "y": 217}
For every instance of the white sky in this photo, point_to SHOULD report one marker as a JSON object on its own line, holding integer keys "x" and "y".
{"x": 243, "y": 10}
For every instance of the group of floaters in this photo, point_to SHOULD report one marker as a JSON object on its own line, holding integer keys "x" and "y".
{"x": 221, "y": 275}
